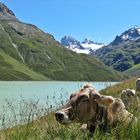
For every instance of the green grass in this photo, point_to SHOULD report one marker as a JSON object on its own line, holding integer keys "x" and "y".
{"x": 11, "y": 69}
{"x": 134, "y": 71}
{"x": 47, "y": 128}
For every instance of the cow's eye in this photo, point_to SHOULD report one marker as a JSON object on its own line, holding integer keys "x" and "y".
{"x": 85, "y": 100}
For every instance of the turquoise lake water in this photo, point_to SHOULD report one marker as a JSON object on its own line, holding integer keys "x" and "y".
{"x": 18, "y": 98}
{"x": 43, "y": 91}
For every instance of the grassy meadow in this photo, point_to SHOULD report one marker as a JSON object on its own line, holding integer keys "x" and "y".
{"x": 135, "y": 70}
{"x": 34, "y": 127}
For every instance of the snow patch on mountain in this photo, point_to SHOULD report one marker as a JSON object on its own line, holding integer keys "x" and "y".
{"x": 131, "y": 34}
{"x": 85, "y": 51}
{"x": 87, "y": 46}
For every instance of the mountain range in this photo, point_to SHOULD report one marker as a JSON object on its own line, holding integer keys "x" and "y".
{"x": 123, "y": 52}
{"x": 87, "y": 46}
{"x": 28, "y": 53}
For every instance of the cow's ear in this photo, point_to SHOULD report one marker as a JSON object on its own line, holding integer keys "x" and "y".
{"x": 94, "y": 94}
{"x": 105, "y": 101}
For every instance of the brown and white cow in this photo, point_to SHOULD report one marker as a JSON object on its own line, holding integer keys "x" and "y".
{"x": 130, "y": 99}
{"x": 90, "y": 107}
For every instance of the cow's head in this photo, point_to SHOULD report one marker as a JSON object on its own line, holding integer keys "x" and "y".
{"x": 128, "y": 92}
{"x": 81, "y": 106}
{"x": 130, "y": 99}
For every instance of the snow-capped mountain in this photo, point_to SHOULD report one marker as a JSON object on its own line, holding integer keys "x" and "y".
{"x": 87, "y": 46}
{"x": 123, "y": 52}
{"x": 128, "y": 35}
{"x": 90, "y": 45}
{"x": 70, "y": 42}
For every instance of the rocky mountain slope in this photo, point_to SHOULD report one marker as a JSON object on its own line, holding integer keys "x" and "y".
{"x": 123, "y": 52}
{"x": 87, "y": 46}
{"x": 27, "y": 53}
{"x": 6, "y": 13}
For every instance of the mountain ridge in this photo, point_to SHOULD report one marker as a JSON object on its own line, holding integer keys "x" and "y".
{"x": 6, "y": 13}
{"x": 87, "y": 46}
{"x": 131, "y": 34}
{"x": 123, "y": 52}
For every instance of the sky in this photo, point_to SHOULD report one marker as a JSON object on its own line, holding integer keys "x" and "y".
{"x": 99, "y": 20}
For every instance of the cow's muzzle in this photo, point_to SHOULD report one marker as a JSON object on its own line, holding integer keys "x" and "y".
{"x": 62, "y": 117}
{"x": 59, "y": 116}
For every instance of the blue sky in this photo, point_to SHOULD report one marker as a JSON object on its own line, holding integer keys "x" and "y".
{"x": 99, "y": 20}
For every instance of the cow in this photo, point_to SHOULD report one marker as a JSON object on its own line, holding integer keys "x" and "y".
{"x": 138, "y": 84}
{"x": 88, "y": 106}
{"x": 130, "y": 99}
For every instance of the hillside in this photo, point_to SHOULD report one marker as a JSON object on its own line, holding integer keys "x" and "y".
{"x": 11, "y": 69}
{"x": 121, "y": 57}
{"x": 133, "y": 71}
{"x": 29, "y": 48}
{"x": 122, "y": 53}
